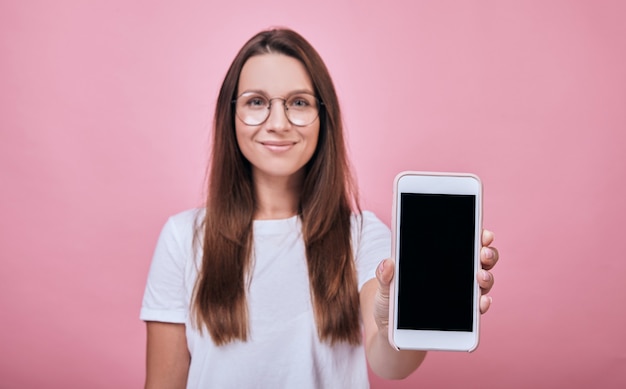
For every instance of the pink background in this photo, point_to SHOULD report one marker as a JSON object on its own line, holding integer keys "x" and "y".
{"x": 105, "y": 109}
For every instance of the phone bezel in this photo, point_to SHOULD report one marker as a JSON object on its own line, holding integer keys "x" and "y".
{"x": 435, "y": 183}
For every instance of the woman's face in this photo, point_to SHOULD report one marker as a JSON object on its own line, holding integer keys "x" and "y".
{"x": 275, "y": 148}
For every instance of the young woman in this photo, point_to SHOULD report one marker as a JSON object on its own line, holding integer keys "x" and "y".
{"x": 281, "y": 280}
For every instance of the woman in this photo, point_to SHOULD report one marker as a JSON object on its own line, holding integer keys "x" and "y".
{"x": 278, "y": 281}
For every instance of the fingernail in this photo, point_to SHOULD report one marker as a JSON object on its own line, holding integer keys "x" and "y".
{"x": 381, "y": 267}
{"x": 486, "y": 275}
{"x": 489, "y": 254}
{"x": 490, "y": 300}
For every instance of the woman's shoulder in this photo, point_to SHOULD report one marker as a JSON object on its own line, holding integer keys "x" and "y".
{"x": 366, "y": 217}
{"x": 184, "y": 223}
{"x": 366, "y": 222}
{"x": 191, "y": 216}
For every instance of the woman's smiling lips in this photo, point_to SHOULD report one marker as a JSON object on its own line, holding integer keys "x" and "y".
{"x": 277, "y": 146}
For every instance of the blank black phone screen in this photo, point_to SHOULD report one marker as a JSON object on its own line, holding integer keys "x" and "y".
{"x": 436, "y": 262}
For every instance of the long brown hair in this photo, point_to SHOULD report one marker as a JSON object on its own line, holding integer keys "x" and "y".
{"x": 327, "y": 199}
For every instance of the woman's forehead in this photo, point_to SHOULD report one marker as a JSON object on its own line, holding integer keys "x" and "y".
{"x": 274, "y": 74}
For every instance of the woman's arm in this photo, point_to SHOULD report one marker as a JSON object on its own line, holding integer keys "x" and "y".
{"x": 383, "y": 359}
{"x": 167, "y": 357}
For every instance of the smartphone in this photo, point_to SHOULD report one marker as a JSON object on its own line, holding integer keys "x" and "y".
{"x": 436, "y": 241}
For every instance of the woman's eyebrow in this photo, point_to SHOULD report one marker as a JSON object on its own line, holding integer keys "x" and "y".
{"x": 291, "y": 93}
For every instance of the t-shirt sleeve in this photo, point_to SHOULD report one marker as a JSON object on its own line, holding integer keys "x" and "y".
{"x": 373, "y": 244}
{"x": 164, "y": 298}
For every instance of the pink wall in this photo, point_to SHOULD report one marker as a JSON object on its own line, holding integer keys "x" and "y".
{"x": 105, "y": 108}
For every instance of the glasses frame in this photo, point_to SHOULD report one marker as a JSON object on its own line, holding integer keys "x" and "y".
{"x": 320, "y": 105}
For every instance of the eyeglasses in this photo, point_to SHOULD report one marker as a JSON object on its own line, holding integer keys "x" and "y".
{"x": 254, "y": 108}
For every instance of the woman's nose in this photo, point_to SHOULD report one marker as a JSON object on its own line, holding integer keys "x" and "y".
{"x": 277, "y": 119}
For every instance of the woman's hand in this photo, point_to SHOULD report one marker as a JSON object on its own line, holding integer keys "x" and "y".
{"x": 384, "y": 360}
{"x": 384, "y": 274}
{"x": 488, "y": 258}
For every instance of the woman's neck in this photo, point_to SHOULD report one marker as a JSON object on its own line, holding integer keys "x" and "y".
{"x": 277, "y": 197}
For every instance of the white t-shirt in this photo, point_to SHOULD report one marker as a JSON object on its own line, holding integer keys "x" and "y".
{"x": 283, "y": 350}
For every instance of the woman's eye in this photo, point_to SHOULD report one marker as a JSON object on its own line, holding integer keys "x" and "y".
{"x": 256, "y": 102}
{"x": 299, "y": 102}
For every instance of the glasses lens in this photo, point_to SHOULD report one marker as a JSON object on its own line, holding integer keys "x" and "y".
{"x": 253, "y": 109}
{"x": 301, "y": 109}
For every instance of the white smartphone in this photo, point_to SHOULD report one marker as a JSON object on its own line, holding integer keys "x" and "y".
{"x": 436, "y": 241}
